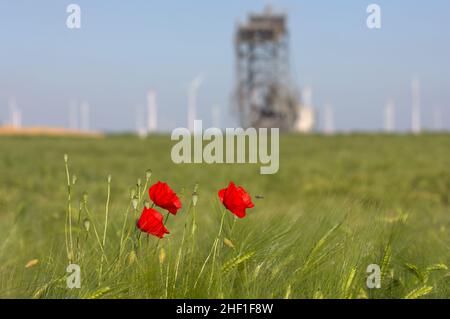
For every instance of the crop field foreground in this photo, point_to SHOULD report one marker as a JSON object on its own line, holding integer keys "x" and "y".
{"x": 337, "y": 205}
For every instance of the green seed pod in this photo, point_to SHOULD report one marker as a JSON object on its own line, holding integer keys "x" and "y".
{"x": 86, "y": 224}
{"x": 132, "y": 192}
{"x": 135, "y": 202}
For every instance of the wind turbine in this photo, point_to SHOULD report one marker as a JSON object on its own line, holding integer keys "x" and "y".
{"x": 307, "y": 96}
{"x": 15, "y": 113}
{"x": 415, "y": 106}
{"x": 389, "y": 116}
{"x": 192, "y": 100}
{"x": 306, "y": 116}
{"x": 152, "y": 115}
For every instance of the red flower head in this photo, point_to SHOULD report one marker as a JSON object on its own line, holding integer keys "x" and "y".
{"x": 163, "y": 196}
{"x": 151, "y": 222}
{"x": 235, "y": 199}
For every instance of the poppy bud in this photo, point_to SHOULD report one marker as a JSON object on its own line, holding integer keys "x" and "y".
{"x": 139, "y": 182}
{"x": 162, "y": 256}
{"x": 132, "y": 192}
{"x": 109, "y": 178}
{"x": 32, "y": 263}
{"x": 228, "y": 243}
{"x": 74, "y": 179}
{"x": 194, "y": 199}
{"x": 135, "y": 202}
{"x": 66, "y": 158}
{"x": 148, "y": 174}
{"x": 86, "y": 224}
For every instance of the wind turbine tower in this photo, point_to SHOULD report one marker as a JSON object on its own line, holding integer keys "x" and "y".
{"x": 307, "y": 96}
{"x": 152, "y": 115}
{"x": 192, "y": 100}
{"x": 306, "y": 116}
{"x": 15, "y": 114}
{"x": 415, "y": 111}
{"x": 389, "y": 116}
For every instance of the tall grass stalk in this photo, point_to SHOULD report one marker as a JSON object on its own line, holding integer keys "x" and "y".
{"x": 211, "y": 252}
{"x": 68, "y": 232}
{"x": 124, "y": 225}
{"x": 97, "y": 236}
{"x": 168, "y": 269}
{"x": 105, "y": 227}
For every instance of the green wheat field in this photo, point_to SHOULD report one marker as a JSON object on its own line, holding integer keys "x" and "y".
{"x": 337, "y": 205}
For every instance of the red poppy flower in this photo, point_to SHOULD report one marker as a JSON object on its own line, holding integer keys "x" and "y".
{"x": 151, "y": 222}
{"x": 235, "y": 199}
{"x": 163, "y": 196}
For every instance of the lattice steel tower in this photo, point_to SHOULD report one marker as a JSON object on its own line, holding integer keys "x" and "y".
{"x": 265, "y": 95}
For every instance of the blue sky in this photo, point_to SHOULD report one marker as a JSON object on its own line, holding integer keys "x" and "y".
{"x": 126, "y": 47}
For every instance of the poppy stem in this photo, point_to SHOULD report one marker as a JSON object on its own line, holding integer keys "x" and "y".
{"x": 232, "y": 226}
{"x": 167, "y": 218}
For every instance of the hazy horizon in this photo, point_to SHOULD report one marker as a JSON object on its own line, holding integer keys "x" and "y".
{"x": 122, "y": 50}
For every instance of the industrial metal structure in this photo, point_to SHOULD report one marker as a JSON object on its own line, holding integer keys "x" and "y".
{"x": 265, "y": 96}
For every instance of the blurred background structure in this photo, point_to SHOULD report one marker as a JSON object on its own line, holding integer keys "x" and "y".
{"x": 265, "y": 95}
{"x": 266, "y": 68}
